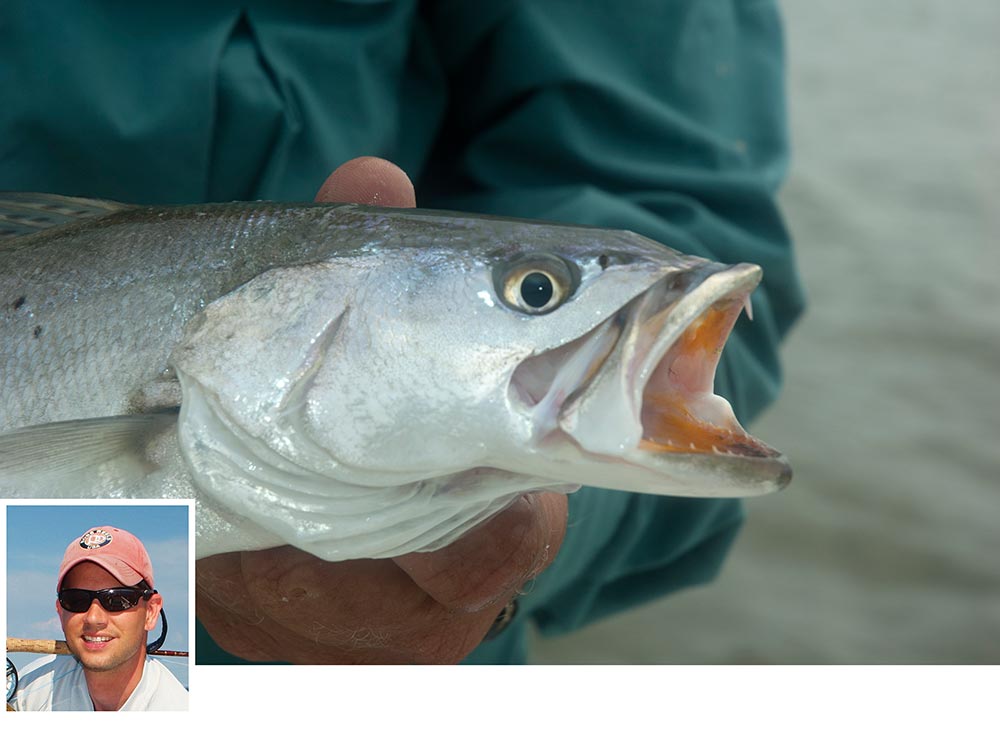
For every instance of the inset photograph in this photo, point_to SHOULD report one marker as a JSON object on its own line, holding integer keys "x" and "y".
{"x": 98, "y": 607}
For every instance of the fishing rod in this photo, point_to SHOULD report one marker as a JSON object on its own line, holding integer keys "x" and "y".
{"x": 53, "y": 646}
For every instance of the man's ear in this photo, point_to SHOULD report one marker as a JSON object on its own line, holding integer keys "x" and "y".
{"x": 153, "y": 606}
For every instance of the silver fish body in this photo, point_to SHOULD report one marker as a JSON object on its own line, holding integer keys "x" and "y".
{"x": 359, "y": 381}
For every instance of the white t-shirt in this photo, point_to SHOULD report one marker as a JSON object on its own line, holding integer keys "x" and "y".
{"x": 57, "y": 683}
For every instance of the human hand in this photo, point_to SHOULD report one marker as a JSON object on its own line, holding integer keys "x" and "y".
{"x": 288, "y": 605}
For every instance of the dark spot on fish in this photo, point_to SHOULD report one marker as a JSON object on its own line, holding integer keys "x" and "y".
{"x": 37, "y": 332}
{"x": 18, "y": 303}
{"x": 603, "y": 260}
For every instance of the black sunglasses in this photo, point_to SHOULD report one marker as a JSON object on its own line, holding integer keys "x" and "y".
{"x": 113, "y": 599}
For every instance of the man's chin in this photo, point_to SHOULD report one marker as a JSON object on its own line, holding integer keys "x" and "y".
{"x": 101, "y": 657}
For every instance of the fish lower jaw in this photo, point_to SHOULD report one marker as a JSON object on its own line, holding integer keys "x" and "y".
{"x": 703, "y": 425}
{"x": 650, "y": 468}
{"x": 688, "y": 429}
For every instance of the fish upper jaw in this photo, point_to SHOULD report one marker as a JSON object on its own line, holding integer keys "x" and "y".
{"x": 643, "y": 410}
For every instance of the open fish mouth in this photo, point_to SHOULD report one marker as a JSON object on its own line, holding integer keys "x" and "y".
{"x": 639, "y": 388}
{"x": 680, "y": 412}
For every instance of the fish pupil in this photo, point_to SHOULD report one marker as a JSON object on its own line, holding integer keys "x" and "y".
{"x": 536, "y": 290}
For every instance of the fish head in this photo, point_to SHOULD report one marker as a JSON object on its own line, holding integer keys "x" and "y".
{"x": 586, "y": 356}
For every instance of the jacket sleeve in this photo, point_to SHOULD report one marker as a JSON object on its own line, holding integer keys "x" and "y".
{"x": 663, "y": 118}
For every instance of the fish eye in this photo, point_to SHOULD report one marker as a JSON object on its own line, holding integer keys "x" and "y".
{"x": 536, "y": 285}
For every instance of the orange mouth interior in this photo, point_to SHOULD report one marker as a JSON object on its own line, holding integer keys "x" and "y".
{"x": 680, "y": 413}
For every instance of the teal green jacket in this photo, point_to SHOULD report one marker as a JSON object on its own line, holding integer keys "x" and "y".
{"x": 664, "y": 117}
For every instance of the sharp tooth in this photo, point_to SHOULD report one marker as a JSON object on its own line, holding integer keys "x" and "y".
{"x": 748, "y": 308}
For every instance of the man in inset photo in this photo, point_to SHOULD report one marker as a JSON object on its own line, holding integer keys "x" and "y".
{"x": 107, "y": 603}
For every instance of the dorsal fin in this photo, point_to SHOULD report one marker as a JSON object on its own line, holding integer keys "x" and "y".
{"x": 25, "y": 212}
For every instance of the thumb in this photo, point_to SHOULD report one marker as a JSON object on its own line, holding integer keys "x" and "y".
{"x": 369, "y": 180}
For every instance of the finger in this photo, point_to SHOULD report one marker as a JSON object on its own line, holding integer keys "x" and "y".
{"x": 494, "y": 560}
{"x": 369, "y": 180}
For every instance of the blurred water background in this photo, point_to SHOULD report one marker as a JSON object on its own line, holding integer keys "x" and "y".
{"x": 886, "y": 547}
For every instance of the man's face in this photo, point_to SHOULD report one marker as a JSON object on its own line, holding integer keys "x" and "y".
{"x": 102, "y": 640}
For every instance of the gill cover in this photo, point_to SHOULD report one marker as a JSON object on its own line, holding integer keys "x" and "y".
{"x": 248, "y": 367}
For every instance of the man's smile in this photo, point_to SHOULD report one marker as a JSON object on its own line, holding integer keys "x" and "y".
{"x": 96, "y": 643}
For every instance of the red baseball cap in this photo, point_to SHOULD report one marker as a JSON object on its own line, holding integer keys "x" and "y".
{"x": 115, "y": 550}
